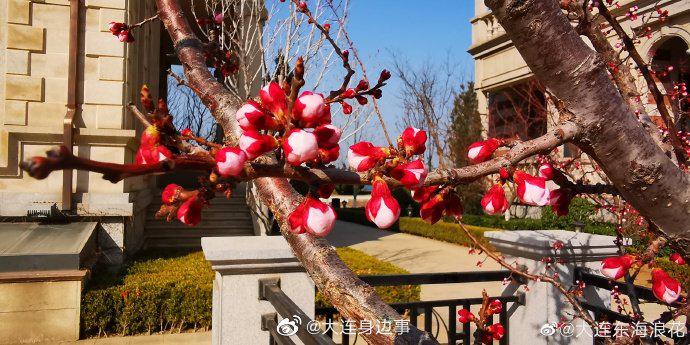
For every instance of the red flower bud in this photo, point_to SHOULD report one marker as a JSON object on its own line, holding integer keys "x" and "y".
{"x": 364, "y": 155}
{"x": 310, "y": 110}
{"x": 362, "y": 100}
{"x": 495, "y": 307}
{"x": 482, "y": 150}
{"x": 546, "y": 171}
{"x": 410, "y": 174}
{"x": 170, "y": 194}
{"x": 251, "y": 117}
{"x": 497, "y": 331}
{"x": 664, "y": 287}
{"x": 327, "y": 27}
{"x": 349, "y": 93}
{"x": 677, "y": 258}
{"x": 385, "y": 75}
{"x": 327, "y": 136}
{"x": 189, "y": 212}
{"x": 300, "y": 147}
{"x": 312, "y": 216}
{"x": 230, "y": 161}
{"x": 494, "y": 201}
{"x": 532, "y": 190}
{"x": 412, "y": 141}
{"x": 432, "y": 210}
{"x": 255, "y": 144}
{"x": 347, "y": 108}
{"x": 186, "y": 132}
{"x": 125, "y": 36}
{"x": 362, "y": 85}
{"x": 616, "y": 267}
{"x": 382, "y": 209}
{"x": 115, "y": 27}
{"x": 152, "y": 154}
{"x": 422, "y": 194}
{"x": 454, "y": 206}
{"x": 465, "y": 316}
{"x": 274, "y": 99}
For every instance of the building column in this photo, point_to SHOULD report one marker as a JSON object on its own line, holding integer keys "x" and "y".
{"x": 239, "y": 264}
{"x": 544, "y": 304}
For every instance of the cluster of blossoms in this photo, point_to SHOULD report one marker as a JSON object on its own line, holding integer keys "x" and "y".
{"x": 664, "y": 287}
{"x": 531, "y": 190}
{"x": 122, "y": 31}
{"x": 404, "y": 165}
{"x": 490, "y": 332}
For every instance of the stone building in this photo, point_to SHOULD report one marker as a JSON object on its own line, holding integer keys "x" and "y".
{"x": 66, "y": 80}
{"x": 512, "y": 102}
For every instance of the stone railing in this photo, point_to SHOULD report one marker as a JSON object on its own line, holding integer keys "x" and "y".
{"x": 258, "y": 280}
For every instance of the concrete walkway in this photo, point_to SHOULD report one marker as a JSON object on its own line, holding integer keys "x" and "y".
{"x": 197, "y": 338}
{"x": 418, "y": 255}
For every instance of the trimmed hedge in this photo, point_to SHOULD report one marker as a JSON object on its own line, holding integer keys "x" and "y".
{"x": 150, "y": 295}
{"x": 364, "y": 264}
{"x": 580, "y": 211}
{"x": 442, "y": 231}
{"x": 172, "y": 292}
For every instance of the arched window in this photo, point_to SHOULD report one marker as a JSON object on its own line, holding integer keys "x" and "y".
{"x": 671, "y": 63}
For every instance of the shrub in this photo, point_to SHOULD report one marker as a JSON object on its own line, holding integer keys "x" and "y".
{"x": 173, "y": 292}
{"x": 363, "y": 264}
{"x": 442, "y": 231}
{"x": 580, "y": 210}
{"x": 149, "y": 295}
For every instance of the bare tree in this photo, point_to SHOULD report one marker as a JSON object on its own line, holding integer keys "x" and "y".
{"x": 427, "y": 98}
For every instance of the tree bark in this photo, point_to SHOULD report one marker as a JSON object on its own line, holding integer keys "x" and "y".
{"x": 561, "y": 60}
{"x": 352, "y": 297}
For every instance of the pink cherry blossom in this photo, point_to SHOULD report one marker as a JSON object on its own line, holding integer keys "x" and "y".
{"x": 382, "y": 209}
{"x": 300, "y": 147}
{"x": 230, "y": 161}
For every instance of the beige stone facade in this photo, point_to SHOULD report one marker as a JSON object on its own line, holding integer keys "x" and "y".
{"x": 500, "y": 70}
{"x": 34, "y": 74}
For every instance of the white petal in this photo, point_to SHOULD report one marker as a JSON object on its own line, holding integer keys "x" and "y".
{"x": 474, "y": 152}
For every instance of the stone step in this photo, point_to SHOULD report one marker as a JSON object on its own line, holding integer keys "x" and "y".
{"x": 221, "y": 216}
{"x": 176, "y": 225}
{"x": 220, "y": 232}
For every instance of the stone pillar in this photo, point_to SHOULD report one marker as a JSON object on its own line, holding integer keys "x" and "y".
{"x": 239, "y": 263}
{"x": 543, "y": 303}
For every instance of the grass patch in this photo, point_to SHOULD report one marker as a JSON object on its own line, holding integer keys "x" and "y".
{"x": 443, "y": 231}
{"x": 364, "y": 264}
{"x": 172, "y": 292}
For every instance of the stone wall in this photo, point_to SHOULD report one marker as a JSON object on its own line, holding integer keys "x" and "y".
{"x": 33, "y": 97}
{"x": 498, "y": 64}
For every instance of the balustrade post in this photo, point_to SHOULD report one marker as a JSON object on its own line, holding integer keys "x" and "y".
{"x": 239, "y": 264}
{"x": 544, "y": 304}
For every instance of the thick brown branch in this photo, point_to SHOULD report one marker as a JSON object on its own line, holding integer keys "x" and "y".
{"x": 561, "y": 60}
{"x": 622, "y": 75}
{"x": 659, "y": 98}
{"x": 352, "y": 297}
{"x": 62, "y": 159}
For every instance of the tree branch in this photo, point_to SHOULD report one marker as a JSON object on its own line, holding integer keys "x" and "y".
{"x": 651, "y": 84}
{"x": 352, "y": 297}
{"x": 561, "y": 60}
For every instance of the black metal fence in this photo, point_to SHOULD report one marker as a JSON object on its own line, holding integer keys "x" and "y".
{"x": 602, "y": 314}
{"x": 429, "y": 309}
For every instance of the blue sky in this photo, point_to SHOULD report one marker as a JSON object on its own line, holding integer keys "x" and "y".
{"x": 419, "y": 31}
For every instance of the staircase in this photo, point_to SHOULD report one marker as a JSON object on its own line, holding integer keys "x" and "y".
{"x": 222, "y": 217}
